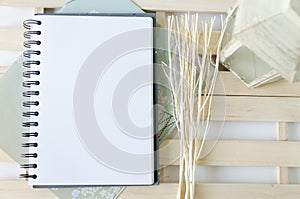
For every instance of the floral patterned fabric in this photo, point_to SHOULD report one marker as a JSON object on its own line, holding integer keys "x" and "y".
{"x": 88, "y": 192}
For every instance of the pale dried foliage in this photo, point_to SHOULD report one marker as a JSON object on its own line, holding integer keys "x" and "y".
{"x": 192, "y": 78}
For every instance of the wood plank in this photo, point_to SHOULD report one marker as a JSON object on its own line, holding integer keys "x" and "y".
{"x": 162, "y": 20}
{"x": 240, "y": 153}
{"x": 21, "y": 189}
{"x": 11, "y": 38}
{"x": 233, "y": 86}
{"x": 206, "y": 6}
{"x": 171, "y": 174}
{"x": 282, "y": 135}
{"x": 268, "y": 109}
{"x": 33, "y": 3}
{"x": 217, "y": 191}
{"x": 39, "y": 10}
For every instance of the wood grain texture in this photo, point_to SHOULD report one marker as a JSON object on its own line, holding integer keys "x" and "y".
{"x": 188, "y": 5}
{"x": 21, "y": 190}
{"x": 240, "y": 153}
{"x": 11, "y": 38}
{"x": 282, "y": 135}
{"x": 233, "y": 86}
{"x": 268, "y": 109}
{"x": 217, "y": 191}
{"x": 34, "y": 3}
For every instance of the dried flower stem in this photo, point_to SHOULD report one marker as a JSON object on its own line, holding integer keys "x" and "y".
{"x": 192, "y": 79}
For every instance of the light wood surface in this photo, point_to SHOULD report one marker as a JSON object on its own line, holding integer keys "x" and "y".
{"x": 11, "y": 38}
{"x": 233, "y": 86}
{"x": 39, "y": 10}
{"x": 34, "y": 3}
{"x": 282, "y": 135}
{"x": 187, "y": 5}
{"x": 247, "y": 108}
{"x": 240, "y": 153}
{"x": 21, "y": 190}
{"x": 217, "y": 191}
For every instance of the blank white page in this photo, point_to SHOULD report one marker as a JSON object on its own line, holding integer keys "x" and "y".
{"x": 96, "y": 98}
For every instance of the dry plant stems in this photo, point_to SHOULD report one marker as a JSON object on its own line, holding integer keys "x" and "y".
{"x": 192, "y": 79}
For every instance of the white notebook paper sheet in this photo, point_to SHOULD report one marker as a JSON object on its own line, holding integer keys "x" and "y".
{"x": 88, "y": 66}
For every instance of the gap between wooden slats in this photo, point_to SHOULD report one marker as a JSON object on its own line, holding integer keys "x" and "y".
{"x": 240, "y": 153}
{"x": 11, "y": 38}
{"x": 34, "y": 3}
{"x": 216, "y": 191}
{"x": 207, "y": 6}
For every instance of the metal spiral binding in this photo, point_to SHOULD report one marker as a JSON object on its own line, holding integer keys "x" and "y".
{"x": 28, "y": 74}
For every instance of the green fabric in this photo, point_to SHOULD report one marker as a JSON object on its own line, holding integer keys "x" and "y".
{"x": 11, "y": 111}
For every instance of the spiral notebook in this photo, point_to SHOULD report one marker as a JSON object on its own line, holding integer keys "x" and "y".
{"x": 89, "y": 94}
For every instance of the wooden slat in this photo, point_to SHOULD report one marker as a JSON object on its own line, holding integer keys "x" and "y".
{"x": 240, "y": 153}
{"x": 272, "y": 109}
{"x": 21, "y": 189}
{"x": 39, "y": 10}
{"x": 233, "y": 86}
{"x": 282, "y": 135}
{"x": 217, "y": 191}
{"x": 162, "y": 19}
{"x": 11, "y": 38}
{"x": 187, "y": 5}
{"x": 34, "y": 3}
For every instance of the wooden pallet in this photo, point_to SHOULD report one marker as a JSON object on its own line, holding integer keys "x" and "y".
{"x": 278, "y": 102}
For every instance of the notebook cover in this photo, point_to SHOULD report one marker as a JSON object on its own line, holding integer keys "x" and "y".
{"x": 95, "y": 119}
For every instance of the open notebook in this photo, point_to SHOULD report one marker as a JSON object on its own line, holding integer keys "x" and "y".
{"x": 89, "y": 94}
